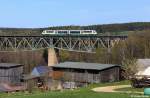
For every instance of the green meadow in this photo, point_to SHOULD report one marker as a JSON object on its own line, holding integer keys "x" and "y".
{"x": 85, "y": 92}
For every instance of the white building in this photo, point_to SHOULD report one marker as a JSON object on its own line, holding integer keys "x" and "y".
{"x": 143, "y": 67}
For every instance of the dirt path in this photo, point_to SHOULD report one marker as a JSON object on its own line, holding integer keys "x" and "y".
{"x": 113, "y": 89}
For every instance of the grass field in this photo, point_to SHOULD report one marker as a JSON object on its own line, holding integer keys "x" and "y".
{"x": 78, "y": 93}
{"x": 131, "y": 89}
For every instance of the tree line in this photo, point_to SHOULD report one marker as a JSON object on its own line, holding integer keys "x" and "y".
{"x": 101, "y": 29}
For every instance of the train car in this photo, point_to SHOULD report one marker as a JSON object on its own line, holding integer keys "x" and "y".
{"x": 45, "y": 32}
{"x": 69, "y": 32}
{"x": 88, "y": 32}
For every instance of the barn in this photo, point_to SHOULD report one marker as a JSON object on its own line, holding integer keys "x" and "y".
{"x": 10, "y": 73}
{"x": 81, "y": 72}
{"x": 39, "y": 77}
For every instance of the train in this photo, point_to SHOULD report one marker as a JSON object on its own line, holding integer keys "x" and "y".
{"x": 69, "y": 32}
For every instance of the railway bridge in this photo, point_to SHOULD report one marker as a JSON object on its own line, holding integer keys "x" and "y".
{"x": 71, "y": 43}
{"x": 84, "y": 43}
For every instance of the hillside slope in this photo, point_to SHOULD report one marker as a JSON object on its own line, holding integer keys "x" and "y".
{"x": 111, "y": 28}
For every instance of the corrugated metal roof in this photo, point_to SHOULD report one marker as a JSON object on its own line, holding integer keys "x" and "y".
{"x": 82, "y": 65}
{"x": 9, "y": 65}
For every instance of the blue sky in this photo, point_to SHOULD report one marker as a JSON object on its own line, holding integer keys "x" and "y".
{"x": 44, "y": 13}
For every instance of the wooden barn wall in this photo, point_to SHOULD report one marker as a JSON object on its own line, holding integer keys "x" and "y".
{"x": 11, "y": 75}
{"x": 110, "y": 75}
{"x": 87, "y": 76}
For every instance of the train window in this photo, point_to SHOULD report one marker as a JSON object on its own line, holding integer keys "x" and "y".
{"x": 74, "y": 32}
{"x": 49, "y": 31}
{"x": 87, "y": 31}
{"x": 62, "y": 32}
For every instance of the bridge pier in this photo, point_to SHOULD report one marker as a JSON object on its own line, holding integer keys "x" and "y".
{"x": 52, "y": 57}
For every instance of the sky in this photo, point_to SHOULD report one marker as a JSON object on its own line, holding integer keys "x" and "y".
{"x": 45, "y": 13}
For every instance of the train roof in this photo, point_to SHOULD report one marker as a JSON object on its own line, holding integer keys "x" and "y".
{"x": 69, "y": 30}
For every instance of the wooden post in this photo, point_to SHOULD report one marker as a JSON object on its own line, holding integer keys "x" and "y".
{"x": 86, "y": 77}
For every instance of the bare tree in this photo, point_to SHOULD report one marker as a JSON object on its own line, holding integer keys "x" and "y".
{"x": 130, "y": 68}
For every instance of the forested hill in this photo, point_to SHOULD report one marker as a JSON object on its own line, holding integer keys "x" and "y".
{"x": 111, "y": 28}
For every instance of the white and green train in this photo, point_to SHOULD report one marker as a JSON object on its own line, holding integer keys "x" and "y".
{"x": 69, "y": 32}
